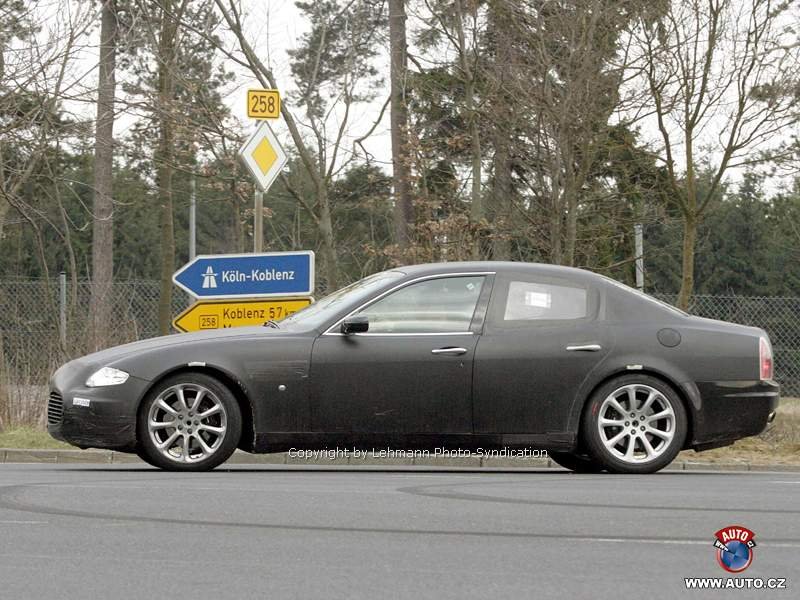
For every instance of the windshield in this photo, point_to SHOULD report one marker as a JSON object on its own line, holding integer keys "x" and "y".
{"x": 317, "y": 314}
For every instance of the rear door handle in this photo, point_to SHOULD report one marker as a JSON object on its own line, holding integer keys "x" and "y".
{"x": 584, "y": 347}
{"x": 452, "y": 351}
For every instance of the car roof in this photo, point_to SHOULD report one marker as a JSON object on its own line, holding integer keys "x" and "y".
{"x": 631, "y": 301}
{"x": 499, "y": 266}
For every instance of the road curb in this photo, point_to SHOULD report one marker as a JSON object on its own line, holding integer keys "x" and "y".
{"x": 29, "y": 456}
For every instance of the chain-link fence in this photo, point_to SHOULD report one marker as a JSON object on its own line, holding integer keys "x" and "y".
{"x": 779, "y": 317}
{"x": 45, "y": 322}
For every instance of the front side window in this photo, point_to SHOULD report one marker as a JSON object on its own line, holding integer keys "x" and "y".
{"x": 318, "y": 313}
{"x": 443, "y": 305}
{"x": 528, "y": 301}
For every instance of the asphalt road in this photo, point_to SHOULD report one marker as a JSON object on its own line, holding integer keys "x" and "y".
{"x": 119, "y": 532}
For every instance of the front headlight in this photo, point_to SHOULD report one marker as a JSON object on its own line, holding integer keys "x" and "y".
{"x": 107, "y": 376}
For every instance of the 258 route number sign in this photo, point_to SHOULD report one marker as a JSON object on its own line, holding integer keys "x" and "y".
{"x": 263, "y": 104}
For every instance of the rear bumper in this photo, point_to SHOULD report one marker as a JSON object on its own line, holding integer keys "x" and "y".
{"x": 731, "y": 410}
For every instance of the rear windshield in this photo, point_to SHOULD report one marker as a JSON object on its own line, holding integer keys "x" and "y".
{"x": 644, "y": 296}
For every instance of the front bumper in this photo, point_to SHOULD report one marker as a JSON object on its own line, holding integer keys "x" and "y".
{"x": 731, "y": 410}
{"x": 101, "y": 417}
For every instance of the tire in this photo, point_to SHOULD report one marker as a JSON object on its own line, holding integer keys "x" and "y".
{"x": 143, "y": 455}
{"x": 656, "y": 441}
{"x": 578, "y": 463}
{"x": 188, "y": 408}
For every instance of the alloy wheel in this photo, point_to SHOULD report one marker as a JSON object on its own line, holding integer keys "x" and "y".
{"x": 636, "y": 423}
{"x": 187, "y": 423}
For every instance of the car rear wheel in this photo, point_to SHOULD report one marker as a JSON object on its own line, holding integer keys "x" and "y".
{"x": 579, "y": 463}
{"x": 634, "y": 424}
{"x": 189, "y": 422}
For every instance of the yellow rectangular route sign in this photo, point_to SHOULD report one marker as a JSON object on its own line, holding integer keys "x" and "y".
{"x": 263, "y": 104}
{"x": 219, "y": 314}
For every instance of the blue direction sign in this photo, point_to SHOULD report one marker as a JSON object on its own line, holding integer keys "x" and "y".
{"x": 264, "y": 275}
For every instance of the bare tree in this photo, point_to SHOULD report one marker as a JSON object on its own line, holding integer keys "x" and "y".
{"x": 322, "y": 155}
{"x": 569, "y": 73}
{"x": 721, "y": 81}
{"x": 460, "y": 25}
{"x": 171, "y": 15}
{"x": 103, "y": 209}
{"x": 33, "y": 78}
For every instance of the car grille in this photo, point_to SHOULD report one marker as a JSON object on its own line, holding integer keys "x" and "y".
{"x": 55, "y": 408}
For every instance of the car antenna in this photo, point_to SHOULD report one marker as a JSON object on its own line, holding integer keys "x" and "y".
{"x": 271, "y": 323}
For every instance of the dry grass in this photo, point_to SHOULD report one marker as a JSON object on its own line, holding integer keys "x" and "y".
{"x": 778, "y": 445}
{"x": 29, "y": 438}
{"x": 22, "y": 424}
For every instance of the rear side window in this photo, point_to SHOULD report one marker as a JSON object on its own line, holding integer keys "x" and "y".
{"x": 528, "y": 301}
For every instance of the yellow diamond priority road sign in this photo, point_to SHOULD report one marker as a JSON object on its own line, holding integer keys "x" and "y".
{"x": 220, "y": 314}
{"x": 263, "y": 156}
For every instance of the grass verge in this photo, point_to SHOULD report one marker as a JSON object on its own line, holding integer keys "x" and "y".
{"x": 779, "y": 445}
{"x": 28, "y": 438}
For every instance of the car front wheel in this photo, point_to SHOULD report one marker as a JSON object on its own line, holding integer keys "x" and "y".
{"x": 634, "y": 424}
{"x": 189, "y": 422}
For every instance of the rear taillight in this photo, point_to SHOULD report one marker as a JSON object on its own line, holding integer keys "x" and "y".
{"x": 765, "y": 358}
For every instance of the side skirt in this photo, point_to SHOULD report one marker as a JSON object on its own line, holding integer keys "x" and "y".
{"x": 282, "y": 441}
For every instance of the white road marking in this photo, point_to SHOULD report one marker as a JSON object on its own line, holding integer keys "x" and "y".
{"x": 677, "y": 542}
{"x": 23, "y": 522}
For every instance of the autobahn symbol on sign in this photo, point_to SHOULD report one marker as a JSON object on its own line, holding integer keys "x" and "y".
{"x": 219, "y": 314}
{"x": 264, "y": 275}
{"x": 263, "y": 156}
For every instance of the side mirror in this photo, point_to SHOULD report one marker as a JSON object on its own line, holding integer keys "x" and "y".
{"x": 355, "y": 324}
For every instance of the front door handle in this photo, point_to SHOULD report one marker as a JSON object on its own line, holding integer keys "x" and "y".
{"x": 451, "y": 351}
{"x": 584, "y": 347}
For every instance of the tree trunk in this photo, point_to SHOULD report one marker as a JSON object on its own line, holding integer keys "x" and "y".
{"x": 100, "y": 305}
{"x": 329, "y": 265}
{"x": 501, "y": 195}
{"x": 166, "y": 156}
{"x": 687, "y": 266}
{"x": 556, "y": 222}
{"x": 476, "y": 201}
{"x": 571, "y": 228}
{"x": 401, "y": 170}
{"x": 501, "y": 107}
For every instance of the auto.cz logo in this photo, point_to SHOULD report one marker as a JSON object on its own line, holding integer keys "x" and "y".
{"x": 734, "y": 545}
{"x": 734, "y": 583}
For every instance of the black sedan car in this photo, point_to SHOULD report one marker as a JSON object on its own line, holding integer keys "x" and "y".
{"x": 468, "y": 356}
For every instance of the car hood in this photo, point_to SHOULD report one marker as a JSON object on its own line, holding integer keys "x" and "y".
{"x": 115, "y": 353}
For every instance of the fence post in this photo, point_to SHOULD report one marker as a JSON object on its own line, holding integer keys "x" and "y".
{"x": 639, "y": 244}
{"x": 62, "y": 310}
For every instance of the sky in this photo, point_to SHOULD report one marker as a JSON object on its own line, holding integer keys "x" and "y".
{"x": 273, "y": 27}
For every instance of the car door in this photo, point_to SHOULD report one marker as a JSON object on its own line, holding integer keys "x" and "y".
{"x": 411, "y": 372}
{"x": 541, "y": 340}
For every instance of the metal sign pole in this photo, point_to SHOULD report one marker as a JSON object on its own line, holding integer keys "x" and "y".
{"x": 258, "y": 222}
{"x": 192, "y": 219}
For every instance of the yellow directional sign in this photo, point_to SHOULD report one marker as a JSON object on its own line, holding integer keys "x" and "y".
{"x": 263, "y": 104}
{"x": 236, "y": 313}
{"x": 263, "y": 156}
